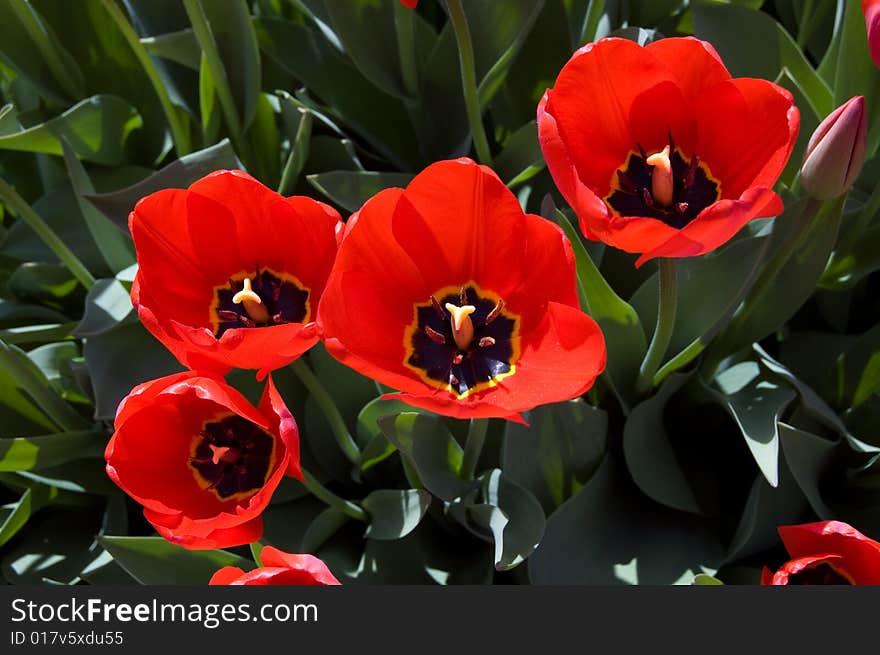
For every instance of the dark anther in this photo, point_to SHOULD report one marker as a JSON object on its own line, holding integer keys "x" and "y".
{"x": 496, "y": 311}
{"x": 458, "y": 359}
{"x": 626, "y": 183}
{"x": 642, "y": 152}
{"x": 247, "y": 322}
{"x": 453, "y": 380}
{"x": 671, "y": 142}
{"x": 435, "y": 336}
{"x": 691, "y": 172}
{"x": 277, "y": 318}
{"x": 438, "y": 309}
{"x": 227, "y": 315}
{"x": 681, "y": 207}
{"x": 276, "y": 293}
{"x": 462, "y": 296}
{"x": 485, "y": 342}
{"x": 649, "y": 199}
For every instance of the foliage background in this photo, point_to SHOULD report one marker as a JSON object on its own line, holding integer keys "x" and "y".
{"x": 771, "y": 421}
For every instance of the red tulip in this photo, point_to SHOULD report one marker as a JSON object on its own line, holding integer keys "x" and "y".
{"x": 871, "y": 9}
{"x": 410, "y": 3}
{"x": 836, "y": 151}
{"x": 230, "y": 272}
{"x": 279, "y": 568}
{"x": 448, "y": 292}
{"x": 828, "y": 552}
{"x": 658, "y": 150}
{"x": 201, "y": 459}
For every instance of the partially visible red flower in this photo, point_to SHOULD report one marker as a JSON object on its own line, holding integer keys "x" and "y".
{"x": 279, "y": 568}
{"x": 201, "y": 459}
{"x": 658, "y": 150}
{"x": 448, "y": 292}
{"x": 410, "y": 3}
{"x": 230, "y": 272}
{"x": 871, "y": 9}
{"x": 827, "y": 552}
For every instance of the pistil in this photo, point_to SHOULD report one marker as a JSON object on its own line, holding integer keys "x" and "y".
{"x": 252, "y": 303}
{"x": 462, "y": 326}
{"x": 661, "y": 177}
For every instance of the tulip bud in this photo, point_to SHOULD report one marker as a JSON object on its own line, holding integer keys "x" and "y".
{"x": 871, "y": 9}
{"x": 836, "y": 151}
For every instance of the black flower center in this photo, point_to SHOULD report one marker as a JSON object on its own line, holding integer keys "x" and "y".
{"x": 462, "y": 340}
{"x": 260, "y": 300}
{"x": 232, "y": 455}
{"x": 820, "y": 574}
{"x": 690, "y": 187}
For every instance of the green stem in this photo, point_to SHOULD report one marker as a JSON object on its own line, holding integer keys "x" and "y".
{"x": 179, "y": 133}
{"x": 202, "y": 30}
{"x": 469, "y": 79}
{"x": 665, "y": 324}
{"x": 18, "y": 206}
{"x": 323, "y": 494}
{"x": 406, "y": 47}
{"x": 473, "y": 447}
{"x": 331, "y": 411}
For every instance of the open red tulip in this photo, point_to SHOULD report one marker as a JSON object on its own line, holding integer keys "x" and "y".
{"x": 201, "y": 459}
{"x": 827, "y": 552}
{"x": 279, "y": 568}
{"x": 230, "y": 272}
{"x": 448, "y": 292}
{"x": 658, "y": 150}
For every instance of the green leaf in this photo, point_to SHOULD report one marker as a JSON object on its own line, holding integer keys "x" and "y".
{"x": 298, "y": 126}
{"x": 395, "y": 513}
{"x": 181, "y": 47}
{"x": 46, "y": 284}
{"x": 42, "y": 552}
{"x": 560, "y": 449}
{"x": 624, "y": 336}
{"x": 703, "y": 580}
{"x": 796, "y": 281}
{"x": 154, "y": 561}
{"x": 809, "y": 458}
{"x": 97, "y": 129}
{"x": 855, "y": 73}
{"x": 767, "y": 508}
{"x": 108, "y": 304}
{"x": 858, "y": 369}
{"x": 264, "y": 144}
{"x": 34, "y": 453}
{"x": 308, "y": 56}
{"x": 114, "y": 372}
{"x": 230, "y": 36}
{"x": 512, "y": 515}
{"x": 498, "y": 32}
{"x": 367, "y": 32}
{"x": 430, "y": 448}
{"x": 376, "y": 447}
{"x": 178, "y": 174}
{"x": 351, "y": 189}
{"x": 649, "y": 455}
{"x": 25, "y": 31}
{"x": 720, "y": 280}
{"x": 609, "y": 533}
{"x": 29, "y": 389}
{"x": 752, "y": 44}
{"x": 756, "y": 404}
{"x": 114, "y": 245}
{"x": 521, "y": 158}
{"x": 20, "y": 512}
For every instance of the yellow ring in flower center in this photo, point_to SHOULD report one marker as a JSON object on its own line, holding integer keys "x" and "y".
{"x": 432, "y": 351}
